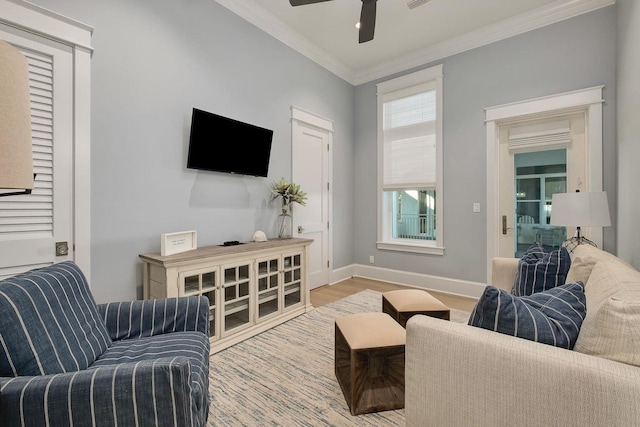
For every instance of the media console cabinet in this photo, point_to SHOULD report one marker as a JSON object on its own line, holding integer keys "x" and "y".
{"x": 251, "y": 287}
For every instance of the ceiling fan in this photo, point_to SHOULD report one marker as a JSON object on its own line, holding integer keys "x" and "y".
{"x": 367, "y": 23}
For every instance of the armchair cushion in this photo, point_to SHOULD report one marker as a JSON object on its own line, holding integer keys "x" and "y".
{"x": 194, "y": 346}
{"x": 539, "y": 270}
{"x": 551, "y": 317}
{"x": 150, "y": 392}
{"x": 52, "y": 310}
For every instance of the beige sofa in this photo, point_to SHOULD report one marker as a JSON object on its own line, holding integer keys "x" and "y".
{"x": 460, "y": 375}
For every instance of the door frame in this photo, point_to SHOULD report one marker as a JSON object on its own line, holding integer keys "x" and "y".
{"x": 37, "y": 20}
{"x": 588, "y": 101}
{"x": 299, "y": 116}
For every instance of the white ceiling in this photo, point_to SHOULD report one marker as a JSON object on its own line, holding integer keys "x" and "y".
{"x": 404, "y": 38}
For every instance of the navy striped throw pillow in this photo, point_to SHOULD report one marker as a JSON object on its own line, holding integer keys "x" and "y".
{"x": 539, "y": 270}
{"x": 551, "y": 317}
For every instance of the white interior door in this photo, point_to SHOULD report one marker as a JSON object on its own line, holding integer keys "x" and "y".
{"x": 31, "y": 225}
{"x": 537, "y": 158}
{"x": 312, "y": 136}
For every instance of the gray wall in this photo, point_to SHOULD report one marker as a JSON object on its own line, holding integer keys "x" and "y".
{"x": 573, "y": 54}
{"x": 153, "y": 62}
{"x": 628, "y": 121}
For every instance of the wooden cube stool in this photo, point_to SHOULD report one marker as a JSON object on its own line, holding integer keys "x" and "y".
{"x": 404, "y": 303}
{"x": 369, "y": 362}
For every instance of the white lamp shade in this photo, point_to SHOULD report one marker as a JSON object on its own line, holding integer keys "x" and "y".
{"x": 580, "y": 209}
{"x": 16, "y": 159}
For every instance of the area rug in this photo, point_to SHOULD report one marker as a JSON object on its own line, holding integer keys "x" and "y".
{"x": 285, "y": 376}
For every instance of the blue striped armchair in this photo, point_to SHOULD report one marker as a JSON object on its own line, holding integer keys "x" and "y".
{"x": 64, "y": 360}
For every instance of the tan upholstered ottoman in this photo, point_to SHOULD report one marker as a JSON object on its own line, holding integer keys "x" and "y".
{"x": 369, "y": 362}
{"x": 404, "y": 303}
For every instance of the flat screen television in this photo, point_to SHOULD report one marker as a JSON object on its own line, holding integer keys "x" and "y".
{"x": 221, "y": 144}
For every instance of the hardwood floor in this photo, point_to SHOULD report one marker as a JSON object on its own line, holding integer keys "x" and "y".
{"x": 329, "y": 293}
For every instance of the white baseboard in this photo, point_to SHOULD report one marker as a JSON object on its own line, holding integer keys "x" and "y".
{"x": 448, "y": 285}
{"x": 341, "y": 274}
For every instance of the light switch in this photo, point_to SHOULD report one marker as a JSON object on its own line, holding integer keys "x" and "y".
{"x": 476, "y": 207}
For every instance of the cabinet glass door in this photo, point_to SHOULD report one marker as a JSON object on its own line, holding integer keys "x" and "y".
{"x": 203, "y": 282}
{"x": 236, "y": 291}
{"x": 292, "y": 279}
{"x": 268, "y": 287}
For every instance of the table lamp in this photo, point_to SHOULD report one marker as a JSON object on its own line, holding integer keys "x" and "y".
{"x": 580, "y": 209}
{"x": 16, "y": 158}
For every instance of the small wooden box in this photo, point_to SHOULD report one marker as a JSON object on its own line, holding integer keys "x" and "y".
{"x": 404, "y": 303}
{"x": 369, "y": 362}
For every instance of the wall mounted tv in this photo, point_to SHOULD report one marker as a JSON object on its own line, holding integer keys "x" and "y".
{"x": 221, "y": 144}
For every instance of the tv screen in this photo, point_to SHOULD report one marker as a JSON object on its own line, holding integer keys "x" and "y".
{"x": 221, "y": 144}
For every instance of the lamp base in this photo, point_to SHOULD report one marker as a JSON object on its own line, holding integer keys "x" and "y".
{"x": 573, "y": 243}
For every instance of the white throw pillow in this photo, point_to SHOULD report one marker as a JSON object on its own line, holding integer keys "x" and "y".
{"x": 611, "y": 328}
{"x": 614, "y": 332}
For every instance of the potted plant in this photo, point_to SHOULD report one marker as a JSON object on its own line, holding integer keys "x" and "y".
{"x": 290, "y": 193}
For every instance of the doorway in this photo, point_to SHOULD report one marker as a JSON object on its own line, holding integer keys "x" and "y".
{"x": 311, "y": 165}
{"x": 538, "y": 158}
{"x": 570, "y": 122}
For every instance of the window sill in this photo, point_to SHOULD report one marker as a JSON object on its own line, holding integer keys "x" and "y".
{"x": 411, "y": 247}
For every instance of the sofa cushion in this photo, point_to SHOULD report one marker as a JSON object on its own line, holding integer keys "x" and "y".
{"x": 583, "y": 258}
{"x": 612, "y": 326}
{"x": 613, "y": 332}
{"x": 551, "y": 317}
{"x": 49, "y": 322}
{"x": 539, "y": 270}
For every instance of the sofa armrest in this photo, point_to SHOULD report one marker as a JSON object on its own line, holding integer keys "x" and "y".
{"x": 144, "y": 318}
{"x": 154, "y": 392}
{"x": 460, "y": 375}
{"x": 503, "y": 272}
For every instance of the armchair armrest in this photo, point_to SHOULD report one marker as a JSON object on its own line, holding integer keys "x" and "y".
{"x": 154, "y": 392}
{"x": 503, "y": 272}
{"x": 144, "y": 318}
{"x": 460, "y": 375}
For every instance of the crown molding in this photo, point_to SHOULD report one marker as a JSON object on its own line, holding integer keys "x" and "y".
{"x": 543, "y": 16}
{"x": 52, "y": 25}
{"x": 266, "y": 21}
{"x": 507, "y": 28}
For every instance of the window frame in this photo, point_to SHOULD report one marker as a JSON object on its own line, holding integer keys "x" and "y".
{"x": 385, "y": 239}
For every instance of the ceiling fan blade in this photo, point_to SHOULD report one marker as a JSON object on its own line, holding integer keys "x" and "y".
{"x": 367, "y": 21}
{"x": 303, "y": 2}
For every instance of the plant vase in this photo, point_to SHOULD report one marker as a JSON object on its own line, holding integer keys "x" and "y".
{"x": 285, "y": 223}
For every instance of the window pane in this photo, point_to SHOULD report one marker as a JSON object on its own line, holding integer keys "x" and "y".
{"x": 410, "y": 110}
{"x": 414, "y": 214}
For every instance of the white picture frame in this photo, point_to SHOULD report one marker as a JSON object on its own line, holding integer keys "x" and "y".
{"x": 181, "y": 241}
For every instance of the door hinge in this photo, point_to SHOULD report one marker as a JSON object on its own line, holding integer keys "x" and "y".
{"x": 327, "y": 225}
{"x": 327, "y": 186}
{"x": 327, "y": 263}
{"x": 327, "y": 147}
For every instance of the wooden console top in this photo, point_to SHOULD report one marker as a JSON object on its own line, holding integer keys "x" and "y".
{"x": 220, "y": 251}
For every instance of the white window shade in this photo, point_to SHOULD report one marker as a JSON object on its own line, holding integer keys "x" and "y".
{"x": 409, "y": 132}
{"x": 539, "y": 137}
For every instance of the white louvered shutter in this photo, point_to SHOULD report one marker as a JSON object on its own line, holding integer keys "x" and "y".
{"x": 32, "y": 224}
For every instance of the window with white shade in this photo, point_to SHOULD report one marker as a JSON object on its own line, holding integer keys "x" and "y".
{"x": 410, "y": 162}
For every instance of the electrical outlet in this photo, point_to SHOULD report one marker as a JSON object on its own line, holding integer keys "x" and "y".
{"x": 476, "y": 207}
{"x": 371, "y": 259}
